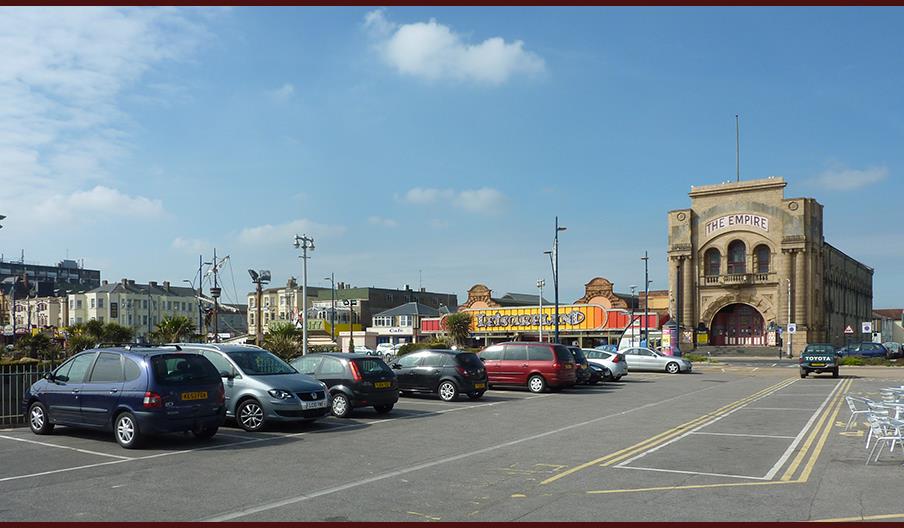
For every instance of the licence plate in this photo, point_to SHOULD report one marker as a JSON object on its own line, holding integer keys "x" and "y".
{"x": 314, "y": 405}
{"x": 817, "y": 364}
{"x": 382, "y": 384}
{"x": 569, "y": 365}
{"x": 186, "y": 396}
{"x": 479, "y": 385}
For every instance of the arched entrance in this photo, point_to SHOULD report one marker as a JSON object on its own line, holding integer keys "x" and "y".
{"x": 738, "y": 324}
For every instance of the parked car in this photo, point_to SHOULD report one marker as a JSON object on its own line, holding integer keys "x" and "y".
{"x": 895, "y": 350}
{"x": 354, "y": 380}
{"x": 361, "y": 349}
{"x": 818, "y": 358}
{"x": 536, "y": 365}
{"x": 261, "y": 388}
{"x": 444, "y": 372}
{"x": 600, "y": 373}
{"x": 607, "y": 348}
{"x": 613, "y": 361}
{"x": 642, "y": 358}
{"x": 134, "y": 392}
{"x": 581, "y": 365}
{"x": 875, "y": 350}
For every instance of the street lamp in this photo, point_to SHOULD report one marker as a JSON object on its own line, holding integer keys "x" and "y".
{"x": 351, "y": 323}
{"x": 540, "y": 284}
{"x": 555, "y": 273}
{"x": 646, "y": 303}
{"x": 304, "y": 243}
{"x": 259, "y": 278}
{"x": 633, "y": 298}
{"x": 332, "y": 280}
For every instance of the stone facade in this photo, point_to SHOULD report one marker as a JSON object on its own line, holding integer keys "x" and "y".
{"x": 744, "y": 245}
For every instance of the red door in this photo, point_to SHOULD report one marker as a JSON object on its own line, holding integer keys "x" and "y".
{"x": 740, "y": 325}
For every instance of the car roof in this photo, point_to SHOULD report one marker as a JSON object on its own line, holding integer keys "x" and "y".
{"x": 138, "y": 350}
{"x": 341, "y": 355}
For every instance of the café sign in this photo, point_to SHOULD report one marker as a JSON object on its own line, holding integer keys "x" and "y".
{"x": 733, "y": 220}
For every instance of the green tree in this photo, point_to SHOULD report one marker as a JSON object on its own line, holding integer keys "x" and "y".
{"x": 83, "y": 336}
{"x": 173, "y": 329}
{"x": 283, "y": 339}
{"x": 36, "y": 346}
{"x": 458, "y": 326}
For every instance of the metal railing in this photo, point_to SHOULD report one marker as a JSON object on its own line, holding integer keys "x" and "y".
{"x": 738, "y": 279}
{"x": 14, "y": 380}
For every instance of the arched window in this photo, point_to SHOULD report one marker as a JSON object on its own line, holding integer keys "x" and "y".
{"x": 737, "y": 258}
{"x": 763, "y": 254}
{"x": 713, "y": 261}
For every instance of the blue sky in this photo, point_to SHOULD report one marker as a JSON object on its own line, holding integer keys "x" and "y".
{"x": 437, "y": 142}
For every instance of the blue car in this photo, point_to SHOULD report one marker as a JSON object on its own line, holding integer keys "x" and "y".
{"x": 134, "y": 392}
{"x": 864, "y": 350}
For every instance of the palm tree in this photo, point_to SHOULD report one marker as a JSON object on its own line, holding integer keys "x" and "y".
{"x": 116, "y": 333}
{"x": 173, "y": 329}
{"x": 458, "y": 326}
{"x": 282, "y": 340}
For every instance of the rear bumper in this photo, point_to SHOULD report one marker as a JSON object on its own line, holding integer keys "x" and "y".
{"x": 828, "y": 368}
{"x": 366, "y": 399}
{"x": 562, "y": 379}
{"x": 159, "y": 422}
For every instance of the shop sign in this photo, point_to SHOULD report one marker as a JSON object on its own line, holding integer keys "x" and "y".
{"x": 398, "y": 330}
{"x": 571, "y": 317}
{"x": 748, "y": 220}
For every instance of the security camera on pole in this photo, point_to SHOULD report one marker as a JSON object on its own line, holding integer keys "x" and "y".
{"x": 304, "y": 243}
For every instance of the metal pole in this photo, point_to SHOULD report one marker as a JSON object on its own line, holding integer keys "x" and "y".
{"x": 216, "y": 300}
{"x": 555, "y": 278}
{"x": 333, "y": 307}
{"x": 258, "y": 328}
{"x": 646, "y": 304}
{"x": 304, "y": 297}
{"x": 540, "y": 284}
{"x": 633, "y": 298}
{"x": 201, "y": 294}
{"x": 790, "y": 335}
{"x": 738, "y": 146}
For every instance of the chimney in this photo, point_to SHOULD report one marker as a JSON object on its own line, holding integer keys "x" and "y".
{"x": 152, "y": 284}
{"x": 104, "y": 282}
{"x": 423, "y": 290}
{"x": 125, "y": 282}
{"x": 166, "y": 285}
{"x": 131, "y": 282}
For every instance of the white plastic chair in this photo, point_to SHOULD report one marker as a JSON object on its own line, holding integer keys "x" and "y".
{"x": 853, "y": 402}
{"x": 886, "y": 431}
{"x": 876, "y": 411}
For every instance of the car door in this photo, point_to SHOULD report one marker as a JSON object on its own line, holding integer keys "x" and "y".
{"x": 492, "y": 359}
{"x": 61, "y": 394}
{"x": 539, "y": 359}
{"x": 229, "y": 374}
{"x": 428, "y": 371}
{"x": 641, "y": 359}
{"x": 332, "y": 371}
{"x": 101, "y": 392}
{"x": 404, "y": 369}
{"x": 514, "y": 367}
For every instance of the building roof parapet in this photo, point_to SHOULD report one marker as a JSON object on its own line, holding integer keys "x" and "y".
{"x": 773, "y": 182}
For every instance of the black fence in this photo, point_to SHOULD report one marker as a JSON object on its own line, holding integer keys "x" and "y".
{"x": 14, "y": 380}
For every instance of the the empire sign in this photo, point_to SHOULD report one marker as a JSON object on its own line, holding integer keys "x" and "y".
{"x": 746, "y": 220}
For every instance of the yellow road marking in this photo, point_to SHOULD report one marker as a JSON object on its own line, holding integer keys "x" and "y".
{"x": 690, "y": 486}
{"x": 863, "y": 518}
{"x": 665, "y": 435}
{"x": 836, "y": 401}
{"x": 423, "y": 515}
{"x": 805, "y": 475}
{"x": 519, "y": 496}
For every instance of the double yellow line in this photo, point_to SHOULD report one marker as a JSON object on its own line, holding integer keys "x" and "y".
{"x": 665, "y": 436}
{"x": 817, "y": 438}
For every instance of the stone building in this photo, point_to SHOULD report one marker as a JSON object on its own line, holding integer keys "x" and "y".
{"x": 745, "y": 261}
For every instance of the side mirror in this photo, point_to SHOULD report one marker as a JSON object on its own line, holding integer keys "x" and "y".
{"x": 49, "y": 376}
{"x": 61, "y": 379}
{"x": 228, "y": 375}
{"x": 396, "y": 366}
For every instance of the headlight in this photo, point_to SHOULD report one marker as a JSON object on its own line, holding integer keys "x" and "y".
{"x": 280, "y": 394}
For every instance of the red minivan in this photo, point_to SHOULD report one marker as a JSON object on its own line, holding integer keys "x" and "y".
{"x": 536, "y": 365}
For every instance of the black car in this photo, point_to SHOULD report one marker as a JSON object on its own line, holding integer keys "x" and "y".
{"x": 354, "y": 380}
{"x": 598, "y": 374}
{"x": 446, "y": 372}
{"x": 582, "y": 372}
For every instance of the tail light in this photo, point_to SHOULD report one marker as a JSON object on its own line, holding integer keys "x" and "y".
{"x": 800, "y": 360}
{"x": 462, "y": 371}
{"x": 355, "y": 373}
{"x": 616, "y": 358}
{"x": 221, "y": 394}
{"x": 152, "y": 400}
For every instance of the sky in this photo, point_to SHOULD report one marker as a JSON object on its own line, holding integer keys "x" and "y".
{"x": 435, "y": 146}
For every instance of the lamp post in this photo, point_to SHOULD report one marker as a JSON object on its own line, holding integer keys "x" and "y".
{"x": 540, "y": 284}
{"x": 555, "y": 274}
{"x": 633, "y": 298}
{"x": 259, "y": 278}
{"x": 351, "y": 323}
{"x": 646, "y": 303}
{"x": 790, "y": 335}
{"x": 304, "y": 243}
{"x": 332, "y": 280}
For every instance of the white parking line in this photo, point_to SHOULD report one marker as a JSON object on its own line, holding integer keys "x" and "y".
{"x": 65, "y": 447}
{"x": 54, "y": 471}
{"x": 742, "y": 434}
{"x": 468, "y": 454}
{"x": 690, "y": 472}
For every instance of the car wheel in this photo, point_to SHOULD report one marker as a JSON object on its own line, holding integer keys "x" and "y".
{"x": 448, "y": 391}
{"x": 835, "y": 372}
{"x": 250, "y": 416}
{"x": 126, "y": 431}
{"x": 536, "y": 383}
{"x": 204, "y": 433}
{"x": 38, "y": 419}
{"x": 383, "y": 409}
{"x": 476, "y": 395}
{"x": 341, "y": 406}
{"x": 617, "y": 378}
{"x": 803, "y": 373}
{"x": 672, "y": 368}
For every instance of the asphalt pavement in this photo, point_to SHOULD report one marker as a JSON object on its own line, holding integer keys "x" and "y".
{"x": 714, "y": 445}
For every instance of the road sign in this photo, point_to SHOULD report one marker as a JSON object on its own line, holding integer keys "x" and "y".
{"x": 867, "y": 327}
{"x": 848, "y": 330}
{"x": 792, "y": 328}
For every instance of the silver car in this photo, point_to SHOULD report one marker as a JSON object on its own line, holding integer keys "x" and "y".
{"x": 614, "y": 361}
{"x": 262, "y": 388}
{"x": 641, "y": 358}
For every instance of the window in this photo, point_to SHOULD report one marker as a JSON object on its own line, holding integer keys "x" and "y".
{"x": 762, "y": 254}
{"x": 100, "y": 319}
{"x": 71, "y": 303}
{"x": 563, "y": 354}
{"x": 737, "y": 258}
{"x": 92, "y": 302}
{"x": 306, "y": 364}
{"x": 144, "y": 319}
{"x": 515, "y": 353}
{"x": 539, "y": 353}
{"x": 107, "y": 369}
{"x": 331, "y": 367}
{"x": 80, "y": 366}
{"x": 183, "y": 369}
{"x": 133, "y": 371}
{"x": 260, "y": 362}
{"x": 219, "y": 362}
{"x": 78, "y": 304}
{"x": 251, "y": 302}
{"x": 405, "y": 320}
{"x": 492, "y": 353}
{"x": 713, "y": 262}
{"x": 372, "y": 365}
{"x": 383, "y": 320}
{"x": 100, "y": 302}
{"x": 410, "y": 360}
{"x": 144, "y": 304}
{"x": 434, "y": 359}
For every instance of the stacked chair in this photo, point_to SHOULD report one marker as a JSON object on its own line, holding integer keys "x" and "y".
{"x": 884, "y": 419}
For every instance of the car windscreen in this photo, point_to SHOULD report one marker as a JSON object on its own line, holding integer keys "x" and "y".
{"x": 819, "y": 349}
{"x": 371, "y": 365}
{"x": 563, "y": 354}
{"x": 260, "y": 363}
{"x": 468, "y": 360}
{"x": 183, "y": 369}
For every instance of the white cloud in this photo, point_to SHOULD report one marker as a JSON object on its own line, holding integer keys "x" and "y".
{"x": 840, "y": 178}
{"x": 283, "y": 93}
{"x": 485, "y": 199}
{"x": 191, "y": 245}
{"x": 283, "y": 234}
{"x": 98, "y": 203}
{"x": 432, "y": 51}
{"x": 380, "y": 221}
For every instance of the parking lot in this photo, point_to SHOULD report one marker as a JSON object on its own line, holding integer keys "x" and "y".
{"x": 737, "y": 443}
